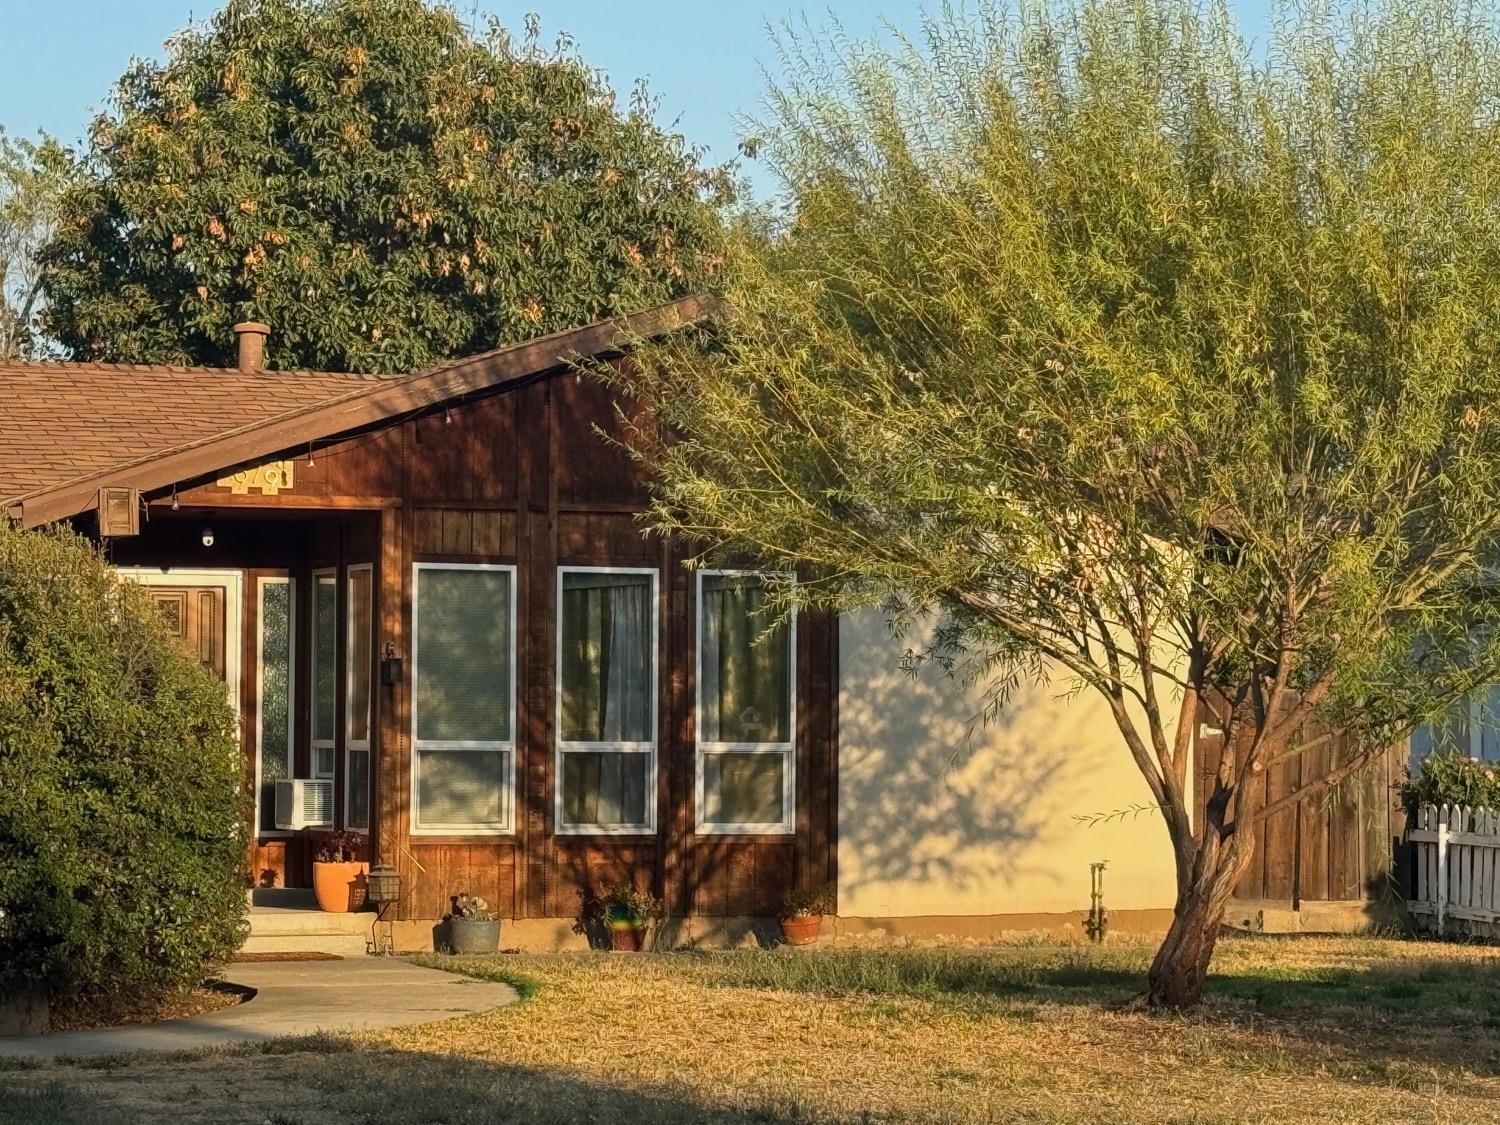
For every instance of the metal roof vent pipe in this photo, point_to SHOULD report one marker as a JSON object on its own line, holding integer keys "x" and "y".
{"x": 252, "y": 340}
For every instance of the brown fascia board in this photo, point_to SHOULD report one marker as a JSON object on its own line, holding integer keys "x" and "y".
{"x": 369, "y": 405}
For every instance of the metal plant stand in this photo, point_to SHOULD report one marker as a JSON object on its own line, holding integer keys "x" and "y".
{"x": 384, "y": 883}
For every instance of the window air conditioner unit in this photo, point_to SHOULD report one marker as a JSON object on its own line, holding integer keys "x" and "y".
{"x": 304, "y": 802}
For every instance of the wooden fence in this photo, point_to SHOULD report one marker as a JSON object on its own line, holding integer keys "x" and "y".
{"x": 1457, "y": 861}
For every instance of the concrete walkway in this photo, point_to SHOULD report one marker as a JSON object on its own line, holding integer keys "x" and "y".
{"x": 291, "y": 998}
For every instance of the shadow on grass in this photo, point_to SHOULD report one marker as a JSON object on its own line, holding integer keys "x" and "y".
{"x": 326, "y": 1080}
{"x": 1390, "y": 1011}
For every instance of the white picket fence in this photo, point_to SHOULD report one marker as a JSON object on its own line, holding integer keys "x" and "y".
{"x": 1458, "y": 869}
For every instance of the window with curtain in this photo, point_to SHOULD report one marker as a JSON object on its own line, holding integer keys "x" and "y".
{"x": 274, "y": 714}
{"x": 606, "y": 708}
{"x": 462, "y": 691}
{"x": 745, "y": 706}
{"x": 325, "y": 669}
{"x": 357, "y": 658}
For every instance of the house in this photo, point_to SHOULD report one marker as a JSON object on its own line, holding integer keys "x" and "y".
{"x": 431, "y": 595}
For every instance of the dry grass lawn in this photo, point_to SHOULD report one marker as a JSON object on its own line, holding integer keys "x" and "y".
{"x": 1297, "y": 1030}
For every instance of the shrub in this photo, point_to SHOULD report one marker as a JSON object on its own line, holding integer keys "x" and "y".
{"x": 1450, "y": 778}
{"x": 123, "y": 809}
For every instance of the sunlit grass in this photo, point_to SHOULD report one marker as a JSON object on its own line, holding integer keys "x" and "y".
{"x": 1294, "y": 1029}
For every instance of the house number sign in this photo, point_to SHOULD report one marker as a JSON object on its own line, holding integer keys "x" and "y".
{"x": 267, "y": 479}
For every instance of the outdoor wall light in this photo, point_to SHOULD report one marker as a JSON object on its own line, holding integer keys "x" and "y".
{"x": 391, "y": 671}
{"x": 208, "y": 537}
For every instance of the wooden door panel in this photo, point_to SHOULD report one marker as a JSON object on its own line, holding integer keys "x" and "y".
{"x": 195, "y": 615}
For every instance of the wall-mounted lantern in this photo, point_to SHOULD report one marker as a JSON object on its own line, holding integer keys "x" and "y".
{"x": 391, "y": 670}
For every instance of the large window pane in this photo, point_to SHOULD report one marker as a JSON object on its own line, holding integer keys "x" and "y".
{"x": 275, "y": 617}
{"x": 608, "y": 632}
{"x": 744, "y": 665}
{"x": 743, "y": 787}
{"x": 359, "y": 656}
{"x": 461, "y": 788}
{"x": 463, "y": 674}
{"x": 606, "y": 788}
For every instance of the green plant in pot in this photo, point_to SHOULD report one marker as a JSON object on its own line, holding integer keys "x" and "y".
{"x": 472, "y": 925}
{"x": 627, "y": 913}
{"x": 802, "y": 913}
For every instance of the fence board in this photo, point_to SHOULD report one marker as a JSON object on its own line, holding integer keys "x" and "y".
{"x": 1457, "y": 869}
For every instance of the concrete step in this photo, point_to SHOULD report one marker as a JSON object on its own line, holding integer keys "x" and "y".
{"x": 292, "y": 922}
{"x": 339, "y": 945}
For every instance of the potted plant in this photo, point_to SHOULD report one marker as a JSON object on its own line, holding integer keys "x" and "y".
{"x": 628, "y": 913}
{"x": 339, "y": 873}
{"x": 472, "y": 926}
{"x": 802, "y": 913}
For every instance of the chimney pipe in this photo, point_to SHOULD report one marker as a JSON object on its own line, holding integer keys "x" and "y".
{"x": 252, "y": 339}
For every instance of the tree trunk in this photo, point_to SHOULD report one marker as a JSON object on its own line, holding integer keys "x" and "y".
{"x": 1181, "y": 964}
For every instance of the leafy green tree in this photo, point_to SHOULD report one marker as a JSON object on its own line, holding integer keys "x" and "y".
{"x": 1150, "y": 367}
{"x": 33, "y": 175}
{"x": 381, "y": 185}
{"x": 123, "y": 805}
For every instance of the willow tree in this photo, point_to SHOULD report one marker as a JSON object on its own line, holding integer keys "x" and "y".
{"x": 380, "y": 182}
{"x": 1150, "y": 362}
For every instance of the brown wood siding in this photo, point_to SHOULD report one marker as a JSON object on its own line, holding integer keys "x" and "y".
{"x": 1344, "y": 845}
{"x": 524, "y": 478}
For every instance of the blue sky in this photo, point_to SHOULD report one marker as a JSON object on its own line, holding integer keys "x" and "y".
{"x": 704, "y": 58}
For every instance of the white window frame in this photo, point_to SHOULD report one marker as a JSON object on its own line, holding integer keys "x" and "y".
{"x": 787, "y": 749}
{"x": 291, "y": 687}
{"x": 508, "y": 797}
{"x": 315, "y": 743}
{"x": 354, "y": 664}
{"x": 649, "y": 748}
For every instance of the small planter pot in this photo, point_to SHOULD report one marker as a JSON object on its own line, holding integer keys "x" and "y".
{"x": 340, "y": 887}
{"x": 473, "y": 935}
{"x": 627, "y": 937}
{"x": 803, "y": 929}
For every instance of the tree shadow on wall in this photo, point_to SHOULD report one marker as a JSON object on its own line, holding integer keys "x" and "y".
{"x": 930, "y": 797}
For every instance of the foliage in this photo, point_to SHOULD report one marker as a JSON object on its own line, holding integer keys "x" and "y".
{"x": 800, "y": 901}
{"x": 122, "y": 811}
{"x": 340, "y": 847}
{"x": 471, "y": 907}
{"x": 33, "y": 177}
{"x": 1451, "y": 778}
{"x": 1145, "y": 366}
{"x": 379, "y": 184}
{"x": 621, "y": 904}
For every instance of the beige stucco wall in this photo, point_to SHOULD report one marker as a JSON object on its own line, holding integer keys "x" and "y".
{"x": 928, "y": 828}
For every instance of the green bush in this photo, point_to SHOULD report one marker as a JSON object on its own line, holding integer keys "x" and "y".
{"x": 123, "y": 809}
{"x": 1450, "y": 778}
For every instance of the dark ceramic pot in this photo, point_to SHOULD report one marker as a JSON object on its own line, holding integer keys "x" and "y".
{"x": 473, "y": 935}
{"x": 627, "y": 938}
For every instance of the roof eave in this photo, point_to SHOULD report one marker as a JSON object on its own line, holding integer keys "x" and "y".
{"x": 367, "y": 406}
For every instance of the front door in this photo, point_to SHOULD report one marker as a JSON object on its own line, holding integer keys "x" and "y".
{"x": 195, "y": 615}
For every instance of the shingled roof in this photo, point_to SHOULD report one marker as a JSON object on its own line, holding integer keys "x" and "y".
{"x": 68, "y": 429}
{"x": 60, "y": 421}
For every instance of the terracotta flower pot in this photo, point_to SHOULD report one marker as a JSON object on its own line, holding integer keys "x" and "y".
{"x": 627, "y": 937}
{"x": 802, "y": 929}
{"x": 339, "y": 887}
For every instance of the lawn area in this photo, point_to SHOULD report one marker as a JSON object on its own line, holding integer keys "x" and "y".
{"x": 1297, "y": 1029}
